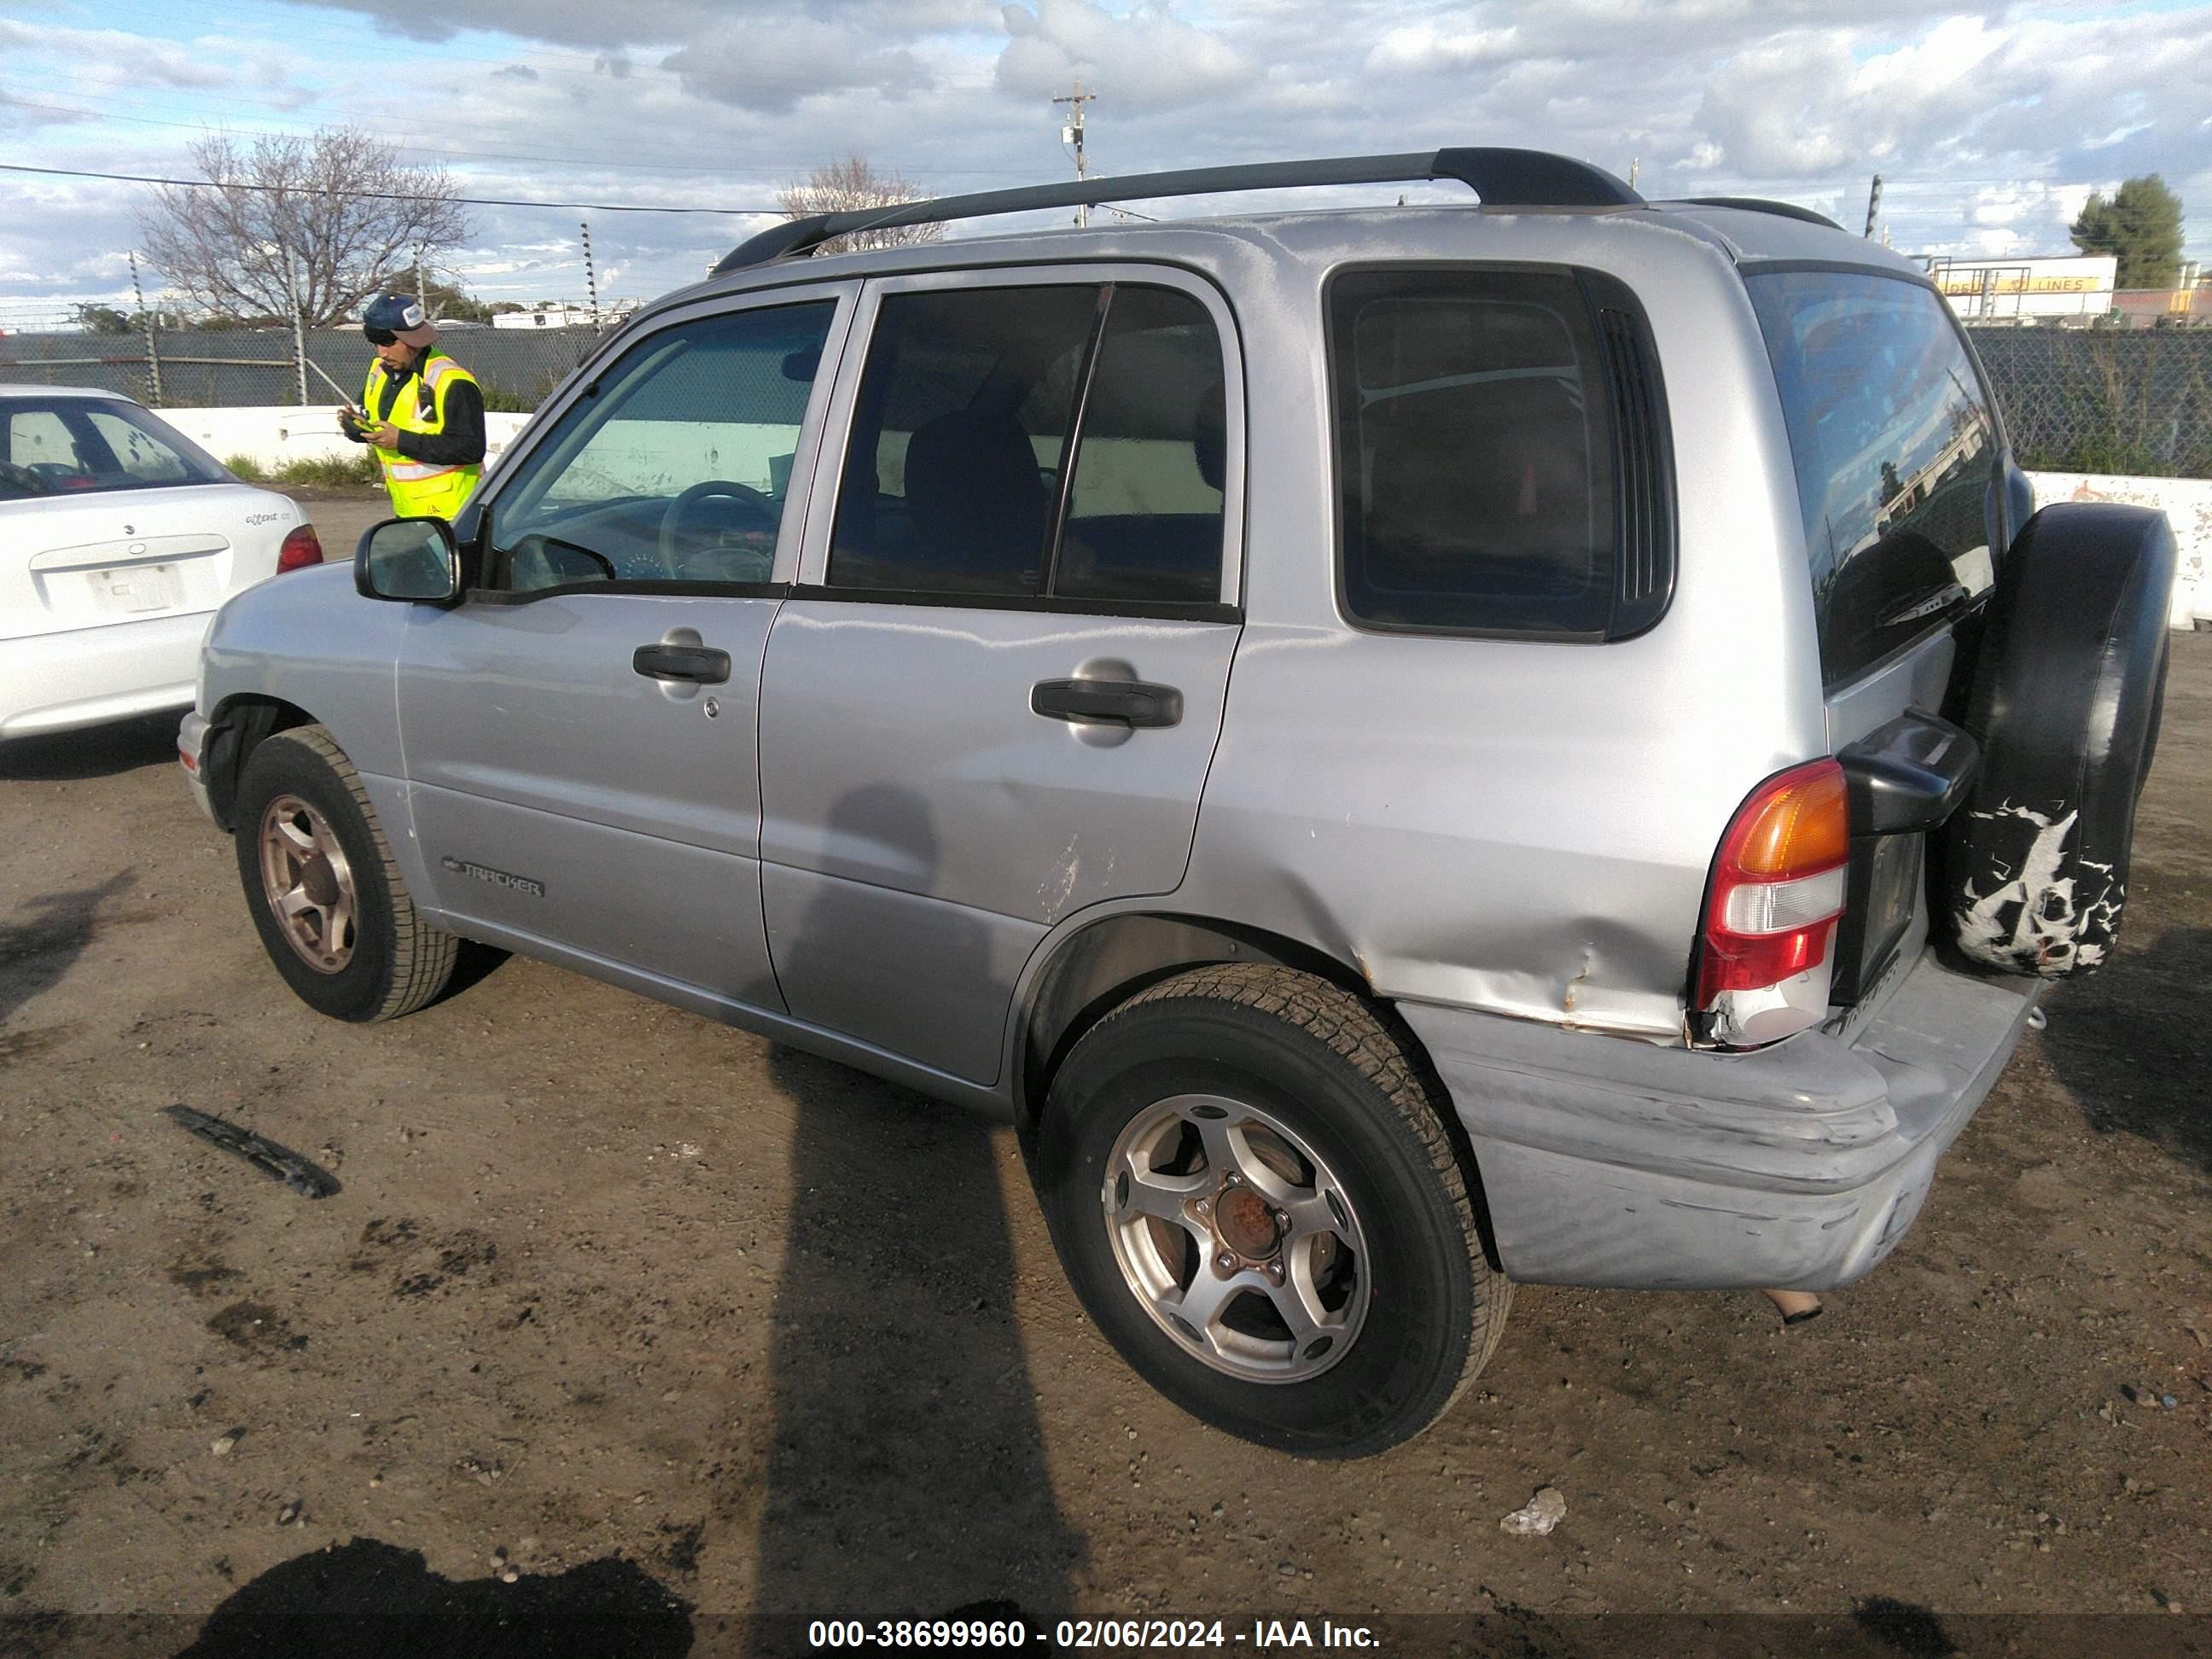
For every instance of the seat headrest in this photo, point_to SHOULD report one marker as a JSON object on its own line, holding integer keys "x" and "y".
{"x": 973, "y": 493}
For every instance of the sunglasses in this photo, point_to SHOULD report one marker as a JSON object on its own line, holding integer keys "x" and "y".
{"x": 380, "y": 336}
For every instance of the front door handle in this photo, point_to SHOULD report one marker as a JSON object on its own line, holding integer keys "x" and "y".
{"x": 1107, "y": 703}
{"x": 699, "y": 665}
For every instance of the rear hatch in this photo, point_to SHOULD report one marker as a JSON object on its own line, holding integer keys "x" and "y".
{"x": 1901, "y": 470}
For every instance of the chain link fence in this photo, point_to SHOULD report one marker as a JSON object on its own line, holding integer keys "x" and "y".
{"x": 2133, "y": 402}
{"x": 230, "y": 368}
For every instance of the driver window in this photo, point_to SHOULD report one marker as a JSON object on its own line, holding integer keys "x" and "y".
{"x": 674, "y": 466}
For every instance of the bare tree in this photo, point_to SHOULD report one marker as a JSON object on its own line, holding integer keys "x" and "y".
{"x": 853, "y": 184}
{"x": 311, "y": 225}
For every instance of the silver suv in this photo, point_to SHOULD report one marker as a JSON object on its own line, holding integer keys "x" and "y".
{"x": 1408, "y": 750}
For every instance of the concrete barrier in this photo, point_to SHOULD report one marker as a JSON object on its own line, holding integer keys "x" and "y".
{"x": 272, "y": 435}
{"x": 2187, "y": 504}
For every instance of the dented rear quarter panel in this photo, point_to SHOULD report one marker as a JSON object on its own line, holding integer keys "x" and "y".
{"x": 1516, "y": 826}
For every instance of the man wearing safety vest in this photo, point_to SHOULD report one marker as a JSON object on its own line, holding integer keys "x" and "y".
{"x": 422, "y": 413}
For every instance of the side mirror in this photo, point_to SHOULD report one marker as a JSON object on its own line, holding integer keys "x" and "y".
{"x": 407, "y": 559}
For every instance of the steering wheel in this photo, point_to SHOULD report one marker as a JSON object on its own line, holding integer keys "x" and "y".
{"x": 757, "y": 547}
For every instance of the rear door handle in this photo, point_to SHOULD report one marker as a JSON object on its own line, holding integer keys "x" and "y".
{"x": 699, "y": 665}
{"x": 1107, "y": 703}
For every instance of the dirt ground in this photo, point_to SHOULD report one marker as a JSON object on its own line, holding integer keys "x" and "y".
{"x": 676, "y": 1326}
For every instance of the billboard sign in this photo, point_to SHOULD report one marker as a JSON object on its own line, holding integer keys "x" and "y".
{"x": 1981, "y": 289}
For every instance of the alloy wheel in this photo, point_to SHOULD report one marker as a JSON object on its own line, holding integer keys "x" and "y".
{"x": 1237, "y": 1238}
{"x": 308, "y": 883}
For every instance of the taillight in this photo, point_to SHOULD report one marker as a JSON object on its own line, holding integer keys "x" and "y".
{"x": 301, "y": 547}
{"x": 1778, "y": 886}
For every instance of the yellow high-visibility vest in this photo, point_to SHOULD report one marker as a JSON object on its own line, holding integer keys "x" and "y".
{"x": 421, "y": 489}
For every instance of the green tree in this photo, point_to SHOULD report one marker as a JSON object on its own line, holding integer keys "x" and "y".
{"x": 2141, "y": 225}
{"x": 102, "y": 320}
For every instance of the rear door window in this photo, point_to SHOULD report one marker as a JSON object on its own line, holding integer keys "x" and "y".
{"x": 964, "y": 413}
{"x": 1896, "y": 455}
{"x": 1064, "y": 441}
{"x": 1145, "y": 503}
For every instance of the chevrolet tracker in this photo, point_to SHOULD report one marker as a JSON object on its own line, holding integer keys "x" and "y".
{"x": 1410, "y": 751}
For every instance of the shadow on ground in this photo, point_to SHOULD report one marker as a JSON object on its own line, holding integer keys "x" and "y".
{"x": 367, "y": 1599}
{"x": 44, "y": 935}
{"x": 2117, "y": 1043}
{"x": 100, "y": 752}
{"x": 907, "y": 1476}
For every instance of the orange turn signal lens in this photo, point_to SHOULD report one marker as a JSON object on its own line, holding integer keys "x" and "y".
{"x": 1798, "y": 823}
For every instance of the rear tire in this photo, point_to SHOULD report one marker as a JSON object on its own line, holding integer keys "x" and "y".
{"x": 1254, "y": 1194}
{"x": 327, "y": 898}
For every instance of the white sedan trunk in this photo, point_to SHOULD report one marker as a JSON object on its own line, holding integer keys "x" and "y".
{"x": 104, "y": 596}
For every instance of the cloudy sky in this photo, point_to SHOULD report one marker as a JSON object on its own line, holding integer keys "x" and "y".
{"x": 1988, "y": 125}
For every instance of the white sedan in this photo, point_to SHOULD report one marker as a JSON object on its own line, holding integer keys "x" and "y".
{"x": 118, "y": 538}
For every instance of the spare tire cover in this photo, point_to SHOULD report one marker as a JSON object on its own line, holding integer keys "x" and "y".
{"x": 2065, "y": 701}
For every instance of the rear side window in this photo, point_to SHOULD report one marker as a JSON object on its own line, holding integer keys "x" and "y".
{"x": 1895, "y": 451}
{"x": 1500, "y": 454}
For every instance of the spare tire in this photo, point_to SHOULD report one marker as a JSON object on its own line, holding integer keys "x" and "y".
{"x": 2065, "y": 701}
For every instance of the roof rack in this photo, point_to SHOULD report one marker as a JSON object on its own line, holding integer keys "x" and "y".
{"x": 1756, "y": 204}
{"x": 1501, "y": 178}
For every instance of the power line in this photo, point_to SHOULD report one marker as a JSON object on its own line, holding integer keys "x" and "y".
{"x": 383, "y": 195}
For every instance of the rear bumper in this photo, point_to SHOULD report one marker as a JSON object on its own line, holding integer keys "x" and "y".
{"x": 90, "y": 676}
{"x": 1611, "y": 1162}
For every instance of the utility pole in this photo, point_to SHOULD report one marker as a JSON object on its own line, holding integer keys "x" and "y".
{"x": 590, "y": 281}
{"x": 298, "y": 324}
{"x": 152, "y": 350}
{"x": 1073, "y": 134}
{"x": 1874, "y": 204}
{"x": 422, "y": 291}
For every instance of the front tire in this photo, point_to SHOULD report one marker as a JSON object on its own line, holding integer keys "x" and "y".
{"x": 327, "y": 899}
{"x": 1255, "y": 1195}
